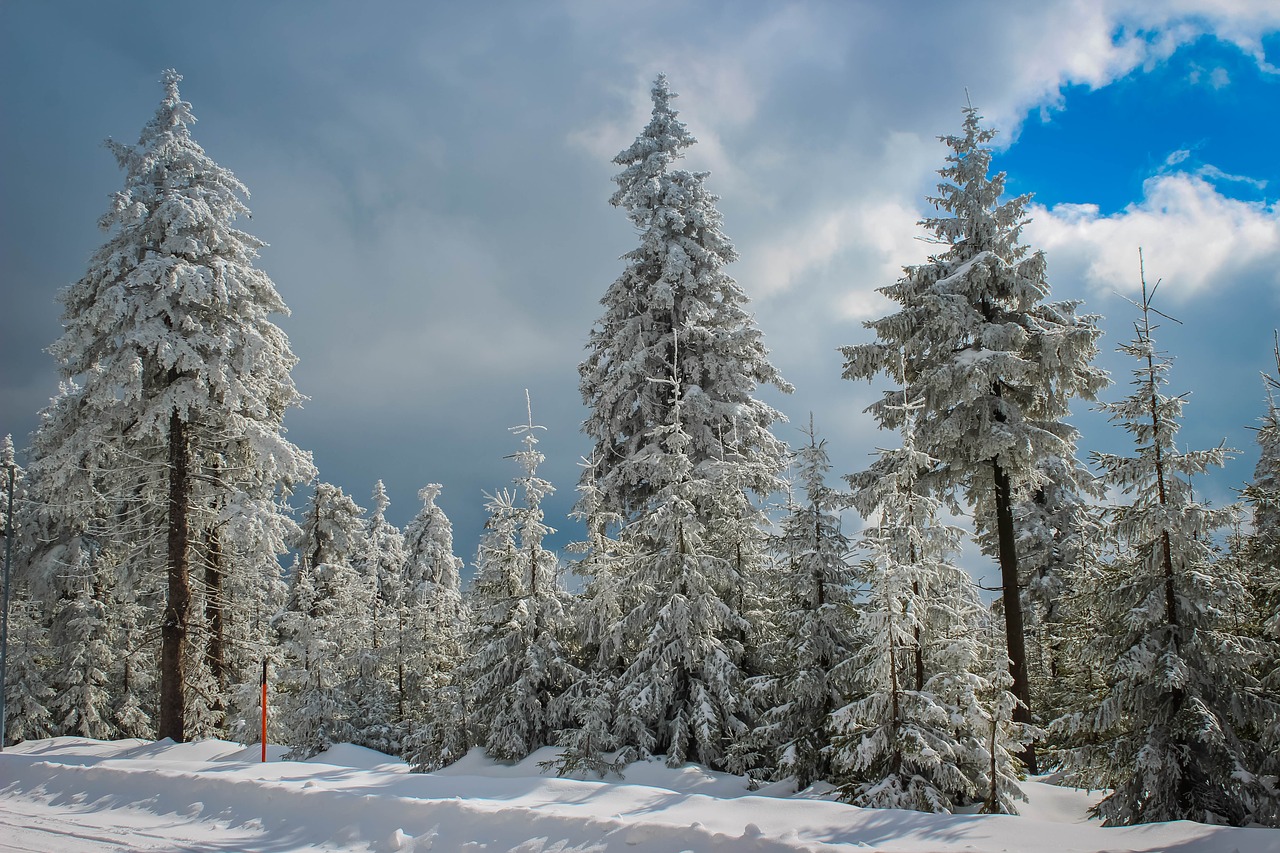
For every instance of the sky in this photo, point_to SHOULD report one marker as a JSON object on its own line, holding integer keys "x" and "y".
{"x": 433, "y": 181}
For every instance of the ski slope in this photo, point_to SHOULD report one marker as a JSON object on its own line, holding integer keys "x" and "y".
{"x": 71, "y": 795}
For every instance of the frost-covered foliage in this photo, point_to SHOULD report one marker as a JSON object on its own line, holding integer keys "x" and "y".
{"x": 680, "y": 691}
{"x": 428, "y": 639}
{"x": 324, "y": 629}
{"x": 674, "y": 295}
{"x": 1263, "y": 495}
{"x": 680, "y": 448}
{"x": 28, "y": 696}
{"x": 81, "y": 638}
{"x": 995, "y": 363}
{"x": 588, "y": 741}
{"x": 1057, "y": 531}
{"x": 814, "y": 630}
{"x": 1179, "y": 725}
{"x": 517, "y": 665}
{"x": 378, "y": 719}
{"x": 176, "y": 382}
{"x": 27, "y": 658}
{"x": 930, "y": 723}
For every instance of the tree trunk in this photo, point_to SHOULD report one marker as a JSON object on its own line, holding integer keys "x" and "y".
{"x": 173, "y": 630}
{"x": 1013, "y": 627}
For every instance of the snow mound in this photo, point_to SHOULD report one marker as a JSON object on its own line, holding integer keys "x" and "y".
{"x": 359, "y": 758}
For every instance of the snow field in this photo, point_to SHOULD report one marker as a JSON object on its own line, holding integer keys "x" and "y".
{"x": 72, "y": 795}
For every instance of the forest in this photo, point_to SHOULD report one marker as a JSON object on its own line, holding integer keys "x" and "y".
{"x": 734, "y": 602}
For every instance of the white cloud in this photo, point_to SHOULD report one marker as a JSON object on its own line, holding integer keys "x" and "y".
{"x": 1192, "y": 237}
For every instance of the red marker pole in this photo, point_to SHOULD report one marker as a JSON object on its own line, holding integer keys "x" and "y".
{"x": 264, "y": 710}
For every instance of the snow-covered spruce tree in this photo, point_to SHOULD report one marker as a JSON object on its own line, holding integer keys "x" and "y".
{"x": 516, "y": 665}
{"x": 1171, "y": 731}
{"x": 133, "y": 665}
{"x": 169, "y": 355}
{"x": 81, "y": 638}
{"x": 925, "y": 705}
{"x": 1263, "y": 495}
{"x": 674, "y": 294}
{"x": 590, "y": 702}
{"x": 27, "y": 660}
{"x": 994, "y": 362}
{"x": 814, "y": 628}
{"x": 680, "y": 691}
{"x": 251, "y": 533}
{"x": 375, "y": 689}
{"x": 324, "y": 628}
{"x": 28, "y": 696}
{"x": 427, "y": 640}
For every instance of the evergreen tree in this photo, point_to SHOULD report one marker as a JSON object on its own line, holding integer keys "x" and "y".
{"x": 517, "y": 666}
{"x": 325, "y": 626}
{"x": 375, "y": 690}
{"x": 588, "y": 740}
{"x": 133, "y": 671}
{"x": 995, "y": 363}
{"x": 674, "y": 295}
{"x": 82, "y": 642}
{"x": 427, "y": 639}
{"x": 1057, "y": 528}
{"x": 1172, "y": 732}
{"x": 680, "y": 691}
{"x": 811, "y": 678}
{"x": 1263, "y": 495}
{"x": 926, "y": 706}
{"x": 28, "y": 696}
{"x": 169, "y": 357}
{"x": 26, "y": 690}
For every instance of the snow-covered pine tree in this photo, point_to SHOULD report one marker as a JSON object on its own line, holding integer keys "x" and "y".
{"x": 26, "y": 660}
{"x": 81, "y": 637}
{"x": 996, "y": 364}
{"x": 428, "y": 640}
{"x": 516, "y": 665}
{"x": 674, "y": 294}
{"x": 133, "y": 664}
{"x": 324, "y": 628}
{"x": 1172, "y": 732}
{"x": 681, "y": 690}
{"x": 375, "y": 689}
{"x": 925, "y": 707}
{"x": 250, "y": 538}
{"x": 168, "y": 355}
{"x": 28, "y": 696}
{"x": 596, "y": 614}
{"x": 817, "y": 586}
{"x": 1263, "y": 496}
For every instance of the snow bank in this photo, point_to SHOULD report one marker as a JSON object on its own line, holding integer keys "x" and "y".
{"x": 71, "y": 796}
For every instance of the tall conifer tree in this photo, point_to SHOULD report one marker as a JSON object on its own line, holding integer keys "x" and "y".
{"x": 170, "y": 360}
{"x": 1174, "y": 728}
{"x": 674, "y": 295}
{"x": 995, "y": 364}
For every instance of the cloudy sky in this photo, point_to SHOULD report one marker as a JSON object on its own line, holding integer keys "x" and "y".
{"x": 433, "y": 181}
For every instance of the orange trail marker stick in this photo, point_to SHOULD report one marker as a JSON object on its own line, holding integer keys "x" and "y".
{"x": 264, "y": 710}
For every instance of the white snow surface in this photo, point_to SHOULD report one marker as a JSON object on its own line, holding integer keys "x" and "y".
{"x": 71, "y": 794}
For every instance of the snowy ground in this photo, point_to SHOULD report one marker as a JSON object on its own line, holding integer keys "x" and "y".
{"x": 70, "y": 795}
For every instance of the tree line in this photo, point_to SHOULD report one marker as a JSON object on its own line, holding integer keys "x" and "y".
{"x": 1135, "y": 645}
